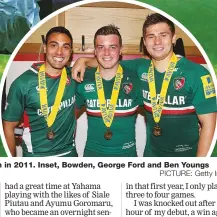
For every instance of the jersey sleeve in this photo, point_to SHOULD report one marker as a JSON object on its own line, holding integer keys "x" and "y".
{"x": 139, "y": 93}
{"x": 80, "y": 100}
{"x": 15, "y": 104}
{"x": 134, "y": 65}
{"x": 204, "y": 92}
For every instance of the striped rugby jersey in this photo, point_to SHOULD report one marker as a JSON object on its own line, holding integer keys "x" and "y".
{"x": 190, "y": 93}
{"x": 24, "y": 100}
{"x": 122, "y": 142}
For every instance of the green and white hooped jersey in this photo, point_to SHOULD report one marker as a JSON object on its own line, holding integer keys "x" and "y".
{"x": 122, "y": 142}
{"x": 190, "y": 93}
{"x": 24, "y": 100}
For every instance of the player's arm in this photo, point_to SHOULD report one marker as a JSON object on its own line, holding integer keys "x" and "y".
{"x": 14, "y": 111}
{"x": 9, "y": 128}
{"x": 80, "y": 65}
{"x": 79, "y": 111}
{"x": 204, "y": 101}
{"x": 140, "y": 109}
{"x": 208, "y": 123}
{"x": 80, "y": 105}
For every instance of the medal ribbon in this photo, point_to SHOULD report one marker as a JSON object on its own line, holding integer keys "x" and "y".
{"x": 158, "y": 107}
{"x": 108, "y": 113}
{"x": 43, "y": 95}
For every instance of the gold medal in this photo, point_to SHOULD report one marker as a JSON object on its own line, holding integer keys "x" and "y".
{"x": 108, "y": 111}
{"x": 108, "y": 135}
{"x": 158, "y": 104}
{"x": 50, "y": 135}
{"x": 157, "y": 131}
{"x": 50, "y": 118}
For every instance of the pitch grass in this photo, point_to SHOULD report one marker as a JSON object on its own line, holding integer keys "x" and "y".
{"x": 214, "y": 153}
{"x": 2, "y": 151}
{"x": 3, "y": 62}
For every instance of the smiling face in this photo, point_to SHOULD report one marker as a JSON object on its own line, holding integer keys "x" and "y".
{"x": 58, "y": 51}
{"x": 107, "y": 51}
{"x": 159, "y": 40}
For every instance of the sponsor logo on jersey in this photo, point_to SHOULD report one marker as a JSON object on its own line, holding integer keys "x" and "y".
{"x": 121, "y": 103}
{"x": 128, "y": 145}
{"x": 179, "y": 83}
{"x": 170, "y": 100}
{"x": 37, "y": 88}
{"x": 89, "y": 87}
{"x": 176, "y": 69}
{"x": 127, "y": 87}
{"x": 64, "y": 104}
{"x": 144, "y": 76}
{"x": 6, "y": 105}
{"x": 181, "y": 148}
{"x": 208, "y": 86}
{"x": 68, "y": 81}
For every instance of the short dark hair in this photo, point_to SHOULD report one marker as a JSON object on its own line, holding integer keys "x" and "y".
{"x": 58, "y": 29}
{"x": 155, "y": 19}
{"x": 108, "y": 30}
